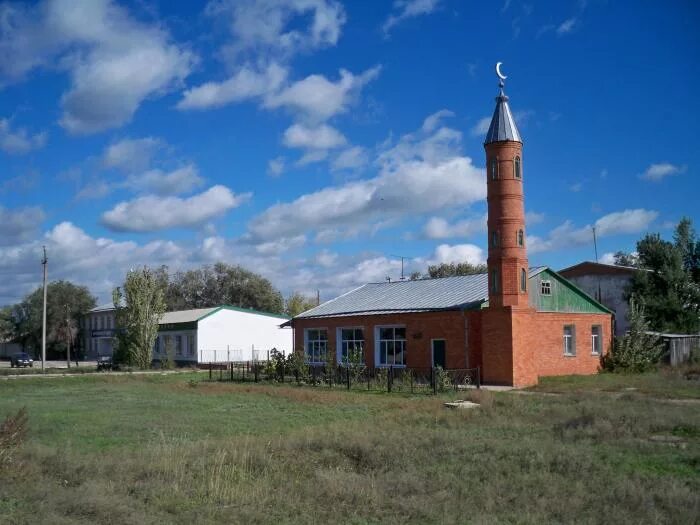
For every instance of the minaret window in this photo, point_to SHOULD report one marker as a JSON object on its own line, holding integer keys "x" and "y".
{"x": 521, "y": 238}
{"x": 523, "y": 280}
{"x": 494, "y": 169}
{"x": 494, "y": 239}
{"x": 516, "y": 168}
{"x": 494, "y": 281}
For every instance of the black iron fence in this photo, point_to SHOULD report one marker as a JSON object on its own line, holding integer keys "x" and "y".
{"x": 384, "y": 379}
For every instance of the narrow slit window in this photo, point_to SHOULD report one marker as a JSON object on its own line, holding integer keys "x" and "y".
{"x": 494, "y": 281}
{"x": 494, "y": 169}
{"x": 523, "y": 280}
{"x": 516, "y": 168}
{"x": 521, "y": 238}
{"x": 494, "y": 239}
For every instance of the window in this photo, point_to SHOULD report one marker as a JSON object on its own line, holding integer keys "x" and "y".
{"x": 569, "y": 339}
{"x": 546, "y": 288}
{"x": 156, "y": 346}
{"x": 494, "y": 239}
{"x": 352, "y": 344}
{"x": 520, "y": 238}
{"x": 516, "y": 168}
{"x": 523, "y": 280}
{"x": 392, "y": 346}
{"x": 316, "y": 345}
{"x": 494, "y": 280}
{"x": 190, "y": 345}
{"x": 177, "y": 344}
{"x": 596, "y": 341}
{"x": 494, "y": 169}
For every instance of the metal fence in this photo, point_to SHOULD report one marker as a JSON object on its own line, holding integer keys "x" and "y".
{"x": 384, "y": 379}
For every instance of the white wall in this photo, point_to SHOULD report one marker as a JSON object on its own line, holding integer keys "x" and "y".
{"x": 230, "y": 335}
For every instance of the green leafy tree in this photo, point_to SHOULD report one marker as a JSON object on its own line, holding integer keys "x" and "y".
{"x": 638, "y": 350}
{"x": 66, "y": 303}
{"x": 669, "y": 288}
{"x": 222, "y": 284}
{"x": 452, "y": 269}
{"x": 139, "y": 308}
{"x": 297, "y": 303}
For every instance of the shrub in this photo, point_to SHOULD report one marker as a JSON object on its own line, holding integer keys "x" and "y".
{"x": 638, "y": 350}
{"x": 12, "y": 433}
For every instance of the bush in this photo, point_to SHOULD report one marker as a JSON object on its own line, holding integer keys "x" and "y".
{"x": 638, "y": 350}
{"x": 12, "y": 433}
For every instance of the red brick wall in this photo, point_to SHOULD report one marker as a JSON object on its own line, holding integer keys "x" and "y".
{"x": 420, "y": 329}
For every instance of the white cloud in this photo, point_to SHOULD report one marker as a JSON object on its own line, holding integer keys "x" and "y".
{"x": 431, "y": 122}
{"x": 617, "y": 223}
{"x": 275, "y": 167}
{"x": 278, "y": 27}
{"x": 318, "y": 137}
{"x": 246, "y": 84}
{"x": 317, "y": 99}
{"x": 115, "y": 62}
{"x": 567, "y": 26}
{"x": 151, "y": 213}
{"x": 131, "y": 154}
{"x": 405, "y": 9}
{"x": 181, "y": 180}
{"x": 439, "y": 228}
{"x": 19, "y": 141}
{"x": 280, "y": 246}
{"x": 18, "y": 225}
{"x": 533, "y": 217}
{"x": 658, "y": 172}
{"x": 481, "y": 127}
{"x": 422, "y": 173}
{"x": 326, "y": 258}
{"x": 458, "y": 253}
{"x": 608, "y": 258}
{"x": 352, "y": 158}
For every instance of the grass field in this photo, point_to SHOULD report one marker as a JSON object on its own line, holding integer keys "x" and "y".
{"x": 176, "y": 449}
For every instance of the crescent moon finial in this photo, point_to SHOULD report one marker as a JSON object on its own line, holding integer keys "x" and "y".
{"x": 500, "y": 75}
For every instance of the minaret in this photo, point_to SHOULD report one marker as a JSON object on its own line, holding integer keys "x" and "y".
{"x": 507, "y": 254}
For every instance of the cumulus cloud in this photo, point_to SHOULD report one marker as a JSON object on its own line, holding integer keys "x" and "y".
{"x": 19, "y": 225}
{"x": 318, "y": 137}
{"x": 114, "y": 61}
{"x": 422, "y": 173}
{"x": 481, "y": 127}
{"x": 175, "y": 182}
{"x": 19, "y": 141}
{"x": 658, "y": 172}
{"x": 617, "y": 223}
{"x": 131, "y": 154}
{"x": 431, "y": 122}
{"x": 458, "y": 253}
{"x": 439, "y": 228}
{"x": 404, "y": 9}
{"x": 151, "y": 213}
{"x": 275, "y": 167}
{"x": 245, "y": 84}
{"x": 352, "y": 158}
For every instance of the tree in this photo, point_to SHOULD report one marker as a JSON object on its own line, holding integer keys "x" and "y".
{"x": 625, "y": 259}
{"x": 452, "y": 269}
{"x": 297, "y": 303}
{"x": 26, "y": 316}
{"x": 669, "y": 288}
{"x": 638, "y": 350}
{"x": 139, "y": 308}
{"x": 222, "y": 284}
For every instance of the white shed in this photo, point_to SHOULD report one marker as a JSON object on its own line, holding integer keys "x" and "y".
{"x": 221, "y": 334}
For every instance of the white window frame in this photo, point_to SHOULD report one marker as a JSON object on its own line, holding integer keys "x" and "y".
{"x": 339, "y": 342}
{"x": 548, "y": 288}
{"x": 306, "y": 345}
{"x": 597, "y": 340}
{"x": 378, "y": 345}
{"x": 569, "y": 340}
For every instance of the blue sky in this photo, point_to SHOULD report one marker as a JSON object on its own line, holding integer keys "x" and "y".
{"x": 314, "y": 141}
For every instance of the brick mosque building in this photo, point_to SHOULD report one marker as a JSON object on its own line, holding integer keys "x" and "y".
{"x": 516, "y": 323}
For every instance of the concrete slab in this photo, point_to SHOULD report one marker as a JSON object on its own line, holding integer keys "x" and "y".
{"x": 461, "y": 404}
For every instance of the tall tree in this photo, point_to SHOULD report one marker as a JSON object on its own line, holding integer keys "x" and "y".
{"x": 452, "y": 269}
{"x": 61, "y": 296}
{"x": 139, "y": 307}
{"x": 222, "y": 284}
{"x": 667, "y": 288}
{"x": 297, "y": 303}
{"x": 625, "y": 259}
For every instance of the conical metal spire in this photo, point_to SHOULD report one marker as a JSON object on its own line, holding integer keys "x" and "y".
{"x": 502, "y": 126}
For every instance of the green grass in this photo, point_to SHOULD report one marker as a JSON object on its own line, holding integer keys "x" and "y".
{"x": 153, "y": 449}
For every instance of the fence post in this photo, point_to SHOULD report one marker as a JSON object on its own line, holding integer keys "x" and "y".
{"x": 478, "y": 377}
{"x": 231, "y": 365}
{"x": 228, "y": 352}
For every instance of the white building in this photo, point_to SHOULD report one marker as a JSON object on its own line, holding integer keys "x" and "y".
{"x": 218, "y": 334}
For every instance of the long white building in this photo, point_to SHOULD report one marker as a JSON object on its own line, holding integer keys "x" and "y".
{"x": 218, "y": 334}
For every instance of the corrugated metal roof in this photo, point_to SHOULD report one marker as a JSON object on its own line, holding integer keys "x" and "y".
{"x": 447, "y": 293}
{"x": 502, "y": 123}
{"x": 186, "y": 316}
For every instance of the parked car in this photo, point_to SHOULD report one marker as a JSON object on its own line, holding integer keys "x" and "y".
{"x": 104, "y": 362}
{"x": 21, "y": 359}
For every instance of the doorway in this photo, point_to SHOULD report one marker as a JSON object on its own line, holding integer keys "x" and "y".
{"x": 439, "y": 347}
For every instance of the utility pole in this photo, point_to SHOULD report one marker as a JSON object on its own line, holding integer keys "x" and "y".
{"x": 45, "y": 263}
{"x": 318, "y": 297}
{"x": 403, "y": 278}
{"x": 68, "y": 335}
